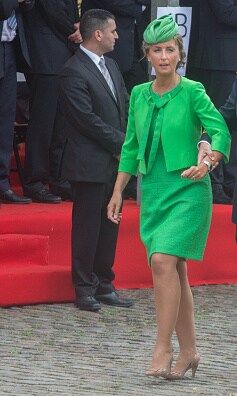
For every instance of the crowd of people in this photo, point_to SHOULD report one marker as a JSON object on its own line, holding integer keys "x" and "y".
{"x": 85, "y": 142}
{"x": 44, "y": 36}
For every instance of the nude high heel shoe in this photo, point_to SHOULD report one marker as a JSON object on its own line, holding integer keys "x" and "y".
{"x": 191, "y": 365}
{"x": 161, "y": 372}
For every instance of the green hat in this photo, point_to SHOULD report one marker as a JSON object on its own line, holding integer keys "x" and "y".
{"x": 160, "y": 30}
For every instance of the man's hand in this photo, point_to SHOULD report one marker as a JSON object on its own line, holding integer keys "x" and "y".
{"x": 205, "y": 153}
{"x": 204, "y": 150}
{"x": 76, "y": 36}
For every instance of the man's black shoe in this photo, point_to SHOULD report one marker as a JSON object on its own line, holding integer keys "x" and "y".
{"x": 44, "y": 196}
{"x": 64, "y": 193}
{"x": 114, "y": 300}
{"x": 11, "y": 198}
{"x": 88, "y": 303}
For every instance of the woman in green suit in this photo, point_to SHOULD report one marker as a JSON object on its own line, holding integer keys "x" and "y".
{"x": 164, "y": 127}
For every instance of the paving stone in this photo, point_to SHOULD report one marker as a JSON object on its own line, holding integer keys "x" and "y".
{"x": 57, "y": 350}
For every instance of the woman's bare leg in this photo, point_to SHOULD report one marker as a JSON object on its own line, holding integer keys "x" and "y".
{"x": 167, "y": 297}
{"x": 185, "y": 328}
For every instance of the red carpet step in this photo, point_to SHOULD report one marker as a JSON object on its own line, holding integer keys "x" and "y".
{"x": 35, "y": 253}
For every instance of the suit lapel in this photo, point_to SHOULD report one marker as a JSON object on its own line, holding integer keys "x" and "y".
{"x": 1, "y": 53}
{"x": 96, "y": 72}
{"x": 1, "y": 26}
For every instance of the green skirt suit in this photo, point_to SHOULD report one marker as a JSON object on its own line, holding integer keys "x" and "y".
{"x": 161, "y": 142}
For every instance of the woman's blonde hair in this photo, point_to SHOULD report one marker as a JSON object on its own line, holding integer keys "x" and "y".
{"x": 179, "y": 41}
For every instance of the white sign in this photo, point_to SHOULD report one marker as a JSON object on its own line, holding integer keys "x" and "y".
{"x": 183, "y": 17}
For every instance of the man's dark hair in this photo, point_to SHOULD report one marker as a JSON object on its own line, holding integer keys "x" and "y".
{"x": 93, "y": 20}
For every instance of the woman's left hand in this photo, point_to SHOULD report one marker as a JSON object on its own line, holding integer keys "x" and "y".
{"x": 195, "y": 172}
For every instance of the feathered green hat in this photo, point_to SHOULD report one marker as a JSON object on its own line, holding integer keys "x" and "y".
{"x": 160, "y": 30}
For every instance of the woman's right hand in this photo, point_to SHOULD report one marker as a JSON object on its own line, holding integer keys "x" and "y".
{"x": 113, "y": 208}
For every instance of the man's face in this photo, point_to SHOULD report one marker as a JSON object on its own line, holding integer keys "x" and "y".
{"x": 108, "y": 36}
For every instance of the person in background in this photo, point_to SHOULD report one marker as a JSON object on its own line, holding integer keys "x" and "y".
{"x": 53, "y": 36}
{"x": 13, "y": 56}
{"x": 93, "y": 101}
{"x": 164, "y": 127}
{"x": 212, "y": 60}
{"x": 229, "y": 112}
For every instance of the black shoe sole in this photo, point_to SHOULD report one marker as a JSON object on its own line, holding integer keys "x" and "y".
{"x": 46, "y": 202}
{"x": 15, "y": 203}
{"x": 88, "y": 309}
{"x": 114, "y": 304}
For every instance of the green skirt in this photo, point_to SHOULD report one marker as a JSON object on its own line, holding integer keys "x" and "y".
{"x": 175, "y": 212}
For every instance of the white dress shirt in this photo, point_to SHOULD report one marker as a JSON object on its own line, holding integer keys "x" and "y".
{"x": 8, "y": 34}
{"x": 94, "y": 57}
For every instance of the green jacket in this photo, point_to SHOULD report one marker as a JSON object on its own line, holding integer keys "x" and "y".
{"x": 182, "y": 113}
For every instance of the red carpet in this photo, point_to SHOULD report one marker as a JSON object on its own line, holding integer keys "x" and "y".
{"x": 35, "y": 253}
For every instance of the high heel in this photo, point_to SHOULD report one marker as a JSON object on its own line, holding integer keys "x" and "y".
{"x": 194, "y": 367}
{"x": 160, "y": 372}
{"x": 191, "y": 365}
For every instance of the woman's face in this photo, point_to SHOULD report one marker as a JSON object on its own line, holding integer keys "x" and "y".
{"x": 164, "y": 57}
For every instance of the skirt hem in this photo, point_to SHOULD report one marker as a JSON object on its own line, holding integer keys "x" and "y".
{"x": 169, "y": 253}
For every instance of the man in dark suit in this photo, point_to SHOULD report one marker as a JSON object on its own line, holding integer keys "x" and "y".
{"x": 212, "y": 60}
{"x": 13, "y": 56}
{"x": 94, "y": 101}
{"x": 53, "y": 31}
{"x": 229, "y": 112}
{"x": 132, "y": 17}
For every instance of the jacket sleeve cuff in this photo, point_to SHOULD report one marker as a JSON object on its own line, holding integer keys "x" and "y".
{"x": 223, "y": 149}
{"x": 128, "y": 168}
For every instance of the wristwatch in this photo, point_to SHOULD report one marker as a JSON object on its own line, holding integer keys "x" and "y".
{"x": 209, "y": 165}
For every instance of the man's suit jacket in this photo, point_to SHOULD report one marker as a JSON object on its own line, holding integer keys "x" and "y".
{"x": 229, "y": 112}
{"x": 126, "y": 13}
{"x": 214, "y": 40}
{"x": 143, "y": 22}
{"x": 94, "y": 123}
{"x": 49, "y": 24}
{"x": 229, "y": 109}
{"x": 6, "y": 8}
{"x": 234, "y": 213}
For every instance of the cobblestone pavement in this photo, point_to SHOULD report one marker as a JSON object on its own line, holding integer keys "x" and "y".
{"x": 59, "y": 350}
